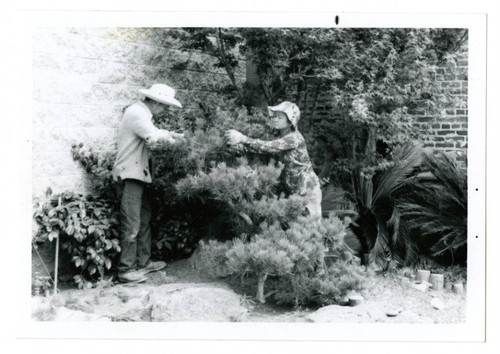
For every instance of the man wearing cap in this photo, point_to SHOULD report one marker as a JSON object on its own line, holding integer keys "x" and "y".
{"x": 137, "y": 136}
{"x": 297, "y": 176}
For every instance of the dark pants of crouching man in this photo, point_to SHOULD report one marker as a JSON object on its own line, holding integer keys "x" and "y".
{"x": 135, "y": 229}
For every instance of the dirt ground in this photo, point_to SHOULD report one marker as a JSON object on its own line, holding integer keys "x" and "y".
{"x": 387, "y": 298}
{"x": 383, "y": 294}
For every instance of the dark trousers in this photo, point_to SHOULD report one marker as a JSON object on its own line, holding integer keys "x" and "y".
{"x": 135, "y": 227}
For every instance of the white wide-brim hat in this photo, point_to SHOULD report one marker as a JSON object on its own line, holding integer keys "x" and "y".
{"x": 161, "y": 93}
{"x": 289, "y": 108}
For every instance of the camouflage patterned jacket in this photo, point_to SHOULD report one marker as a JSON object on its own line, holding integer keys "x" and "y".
{"x": 298, "y": 175}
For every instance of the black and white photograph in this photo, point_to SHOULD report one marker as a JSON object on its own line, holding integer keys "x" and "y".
{"x": 280, "y": 178}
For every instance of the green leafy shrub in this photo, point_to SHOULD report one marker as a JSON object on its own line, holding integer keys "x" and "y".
{"x": 87, "y": 229}
{"x": 99, "y": 165}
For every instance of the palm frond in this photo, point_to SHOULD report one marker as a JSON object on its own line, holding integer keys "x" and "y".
{"x": 433, "y": 205}
{"x": 381, "y": 251}
{"x": 400, "y": 236}
{"x": 407, "y": 157}
{"x": 412, "y": 253}
{"x": 378, "y": 219}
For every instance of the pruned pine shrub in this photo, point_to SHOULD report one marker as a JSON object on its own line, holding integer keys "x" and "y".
{"x": 327, "y": 289}
{"x": 231, "y": 184}
{"x": 287, "y": 263}
{"x": 240, "y": 198}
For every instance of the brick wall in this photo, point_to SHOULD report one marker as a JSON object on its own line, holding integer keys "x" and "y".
{"x": 448, "y": 131}
{"x": 84, "y": 77}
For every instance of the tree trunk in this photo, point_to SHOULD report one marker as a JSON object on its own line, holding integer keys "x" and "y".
{"x": 260, "y": 288}
{"x": 371, "y": 147}
{"x": 353, "y": 150}
{"x": 257, "y": 95}
{"x": 227, "y": 66}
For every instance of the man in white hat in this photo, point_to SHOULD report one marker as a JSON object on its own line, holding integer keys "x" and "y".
{"x": 137, "y": 136}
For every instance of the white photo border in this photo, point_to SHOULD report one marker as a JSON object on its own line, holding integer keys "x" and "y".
{"x": 473, "y": 330}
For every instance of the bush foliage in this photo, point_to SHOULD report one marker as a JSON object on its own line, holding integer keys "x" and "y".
{"x": 88, "y": 231}
{"x": 287, "y": 263}
{"x": 373, "y": 81}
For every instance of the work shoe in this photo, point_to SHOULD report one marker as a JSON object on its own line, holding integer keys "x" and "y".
{"x": 131, "y": 276}
{"x": 152, "y": 267}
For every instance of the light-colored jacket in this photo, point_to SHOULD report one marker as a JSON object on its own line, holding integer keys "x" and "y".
{"x": 135, "y": 137}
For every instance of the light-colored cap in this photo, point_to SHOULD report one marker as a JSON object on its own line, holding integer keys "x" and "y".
{"x": 290, "y": 109}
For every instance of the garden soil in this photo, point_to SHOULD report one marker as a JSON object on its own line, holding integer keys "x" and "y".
{"x": 182, "y": 293}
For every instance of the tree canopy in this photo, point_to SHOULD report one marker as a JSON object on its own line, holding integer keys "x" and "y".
{"x": 372, "y": 80}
